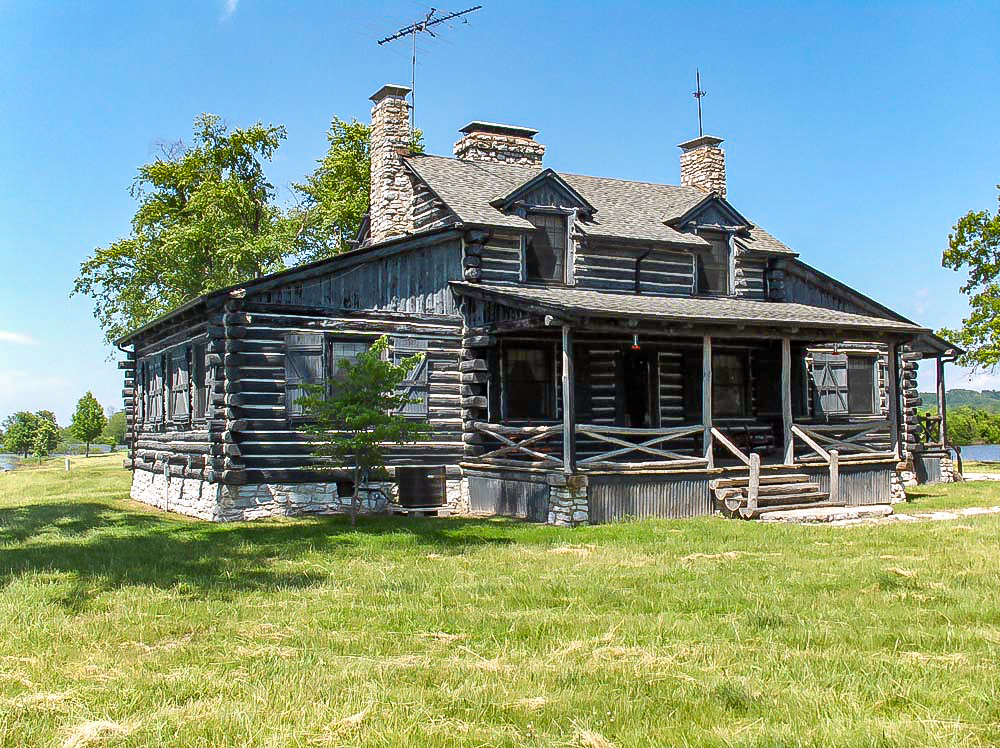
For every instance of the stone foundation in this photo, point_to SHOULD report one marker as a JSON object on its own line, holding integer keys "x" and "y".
{"x": 949, "y": 471}
{"x": 569, "y": 505}
{"x": 228, "y": 503}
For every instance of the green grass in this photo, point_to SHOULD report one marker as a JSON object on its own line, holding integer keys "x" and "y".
{"x": 971, "y": 466}
{"x": 466, "y": 632}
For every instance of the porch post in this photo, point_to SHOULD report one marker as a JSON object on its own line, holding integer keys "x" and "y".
{"x": 942, "y": 408}
{"x": 568, "y": 404}
{"x": 706, "y": 399}
{"x": 786, "y": 399}
{"x": 892, "y": 395}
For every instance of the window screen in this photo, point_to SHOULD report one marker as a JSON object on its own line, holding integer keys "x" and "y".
{"x": 180, "y": 403}
{"x": 713, "y": 265}
{"x": 304, "y": 365}
{"x": 729, "y": 385}
{"x": 861, "y": 385}
{"x": 529, "y": 383}
{"x": 415, "y": 386}
{"x": 341, "y": 351}
{"x": 545, "y": 248}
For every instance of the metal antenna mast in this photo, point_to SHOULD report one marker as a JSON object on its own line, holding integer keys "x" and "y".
{"x": 699, "y": 94}
{"x": 423, "y": 25}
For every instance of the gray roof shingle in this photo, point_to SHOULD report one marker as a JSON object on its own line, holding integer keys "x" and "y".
{"x": 577, "y": 301}
{"x": 636, "y": 211}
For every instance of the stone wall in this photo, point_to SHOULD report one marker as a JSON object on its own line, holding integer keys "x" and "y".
{"x": 229, "y": 503}
{"x": 391, "y": 195}
{"x": 703, "y": 164}
{"x": 949, "y": 471}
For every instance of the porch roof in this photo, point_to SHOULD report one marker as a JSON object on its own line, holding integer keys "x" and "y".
{"x": 574, "y": 303}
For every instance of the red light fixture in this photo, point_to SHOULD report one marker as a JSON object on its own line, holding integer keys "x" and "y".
{"x": 635, "y": 342}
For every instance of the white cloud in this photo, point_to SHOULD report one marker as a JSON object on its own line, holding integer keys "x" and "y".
{"x": 229, "y": 8}
{"x": 16, "y": 337}
{"x": 24, "y": 390}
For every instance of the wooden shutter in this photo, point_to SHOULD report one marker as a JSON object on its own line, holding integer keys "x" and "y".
{"x": 180, "y": 393}
{"x": 415, "y": 386}
{"x": 304, "y": 365}
{"x": 829, "y": 373}
{"x": 200, "y": 383}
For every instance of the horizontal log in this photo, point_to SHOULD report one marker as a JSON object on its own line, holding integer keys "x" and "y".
{"x": 475, "y": 377}
{"x": 126, "y": 365}
{"x": 476, "y": 364}
{"x": 475, "y": 402}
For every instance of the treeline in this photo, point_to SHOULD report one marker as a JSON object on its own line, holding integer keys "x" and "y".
{"x": 39, "y": 434}
{"x": 988, "y": 400}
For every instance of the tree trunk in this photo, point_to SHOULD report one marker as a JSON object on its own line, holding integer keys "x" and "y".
{"x": 354, "y": 496}
{"x": 88, "y": 450}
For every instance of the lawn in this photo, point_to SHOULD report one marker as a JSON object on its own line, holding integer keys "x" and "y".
{"x": 121, "y": 626}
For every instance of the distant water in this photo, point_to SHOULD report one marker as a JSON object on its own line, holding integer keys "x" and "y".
{"x": 7, "y": 462}
{"x": 982, "y": 452}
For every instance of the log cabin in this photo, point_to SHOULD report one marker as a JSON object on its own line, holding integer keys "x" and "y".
{"x": 595, "y": 349}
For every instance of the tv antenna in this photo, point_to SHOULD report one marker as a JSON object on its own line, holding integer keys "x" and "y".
{"x": 699, "y": 94}
{"x": 433, "y": 18}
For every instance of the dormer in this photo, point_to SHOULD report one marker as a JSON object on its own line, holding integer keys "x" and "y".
{"x": 550, "y": 204}
{"x": 719, "y": 223}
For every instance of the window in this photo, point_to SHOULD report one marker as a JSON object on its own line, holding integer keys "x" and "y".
{"x": 180, "y": 402}
{"x": 528, "y": 383}
{"x": 844, "y": 384}
{"x": 713, "y": 265}
{"x": 861, "y": 385}
{"x": 545, "y": 248}
{"x": 304, "y": 365}
{"x": 729, "y": 385}
{"x": 200, "y": 383}
{"x": 341, "y": 351}
{"x": 415, "y": 385}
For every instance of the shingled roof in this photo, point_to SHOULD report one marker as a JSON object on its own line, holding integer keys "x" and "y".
{"x": 576, "y": 302}
{"x": 631, "y": 211}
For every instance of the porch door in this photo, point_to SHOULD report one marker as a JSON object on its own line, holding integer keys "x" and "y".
{"x": 640, "y": 405}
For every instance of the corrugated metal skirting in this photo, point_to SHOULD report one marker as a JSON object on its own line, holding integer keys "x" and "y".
{"x": 862, "y": 485}
{"x": 619, "y": 497}
{"x": 509, "y": 498}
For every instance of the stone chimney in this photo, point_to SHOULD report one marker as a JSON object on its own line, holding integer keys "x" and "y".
{"x": 503, "y": 144}
{"x": 703, "y": 164}
{"x": 390, "y": 211}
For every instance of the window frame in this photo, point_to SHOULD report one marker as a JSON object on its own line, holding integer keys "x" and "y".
{"x": 699, "y": 262}
{"x": 298, "y": 343}
{"x": 840, "y": 361}
{"x": 870, "y": 363}
{"x": 566, "y": 217}
{"x": 551, "y": 406}
{"x": 173, "y": 356}
{"x": 200, "y": 385}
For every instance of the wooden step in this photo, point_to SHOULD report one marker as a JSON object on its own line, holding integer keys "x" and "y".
{"x": 789, "y": 507}
{"x": 764, "y": 480}
{"x": 792, "y": 498}
{"x": 777, "y": 490}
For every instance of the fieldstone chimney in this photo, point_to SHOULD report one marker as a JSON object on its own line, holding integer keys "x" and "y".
{"x": 493, "y": 143}
{"x": 703, "y": 164}
{"x": 390, "y": 211}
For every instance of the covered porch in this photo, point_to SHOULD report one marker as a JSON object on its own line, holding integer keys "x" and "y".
{"x": 677, "y": 406}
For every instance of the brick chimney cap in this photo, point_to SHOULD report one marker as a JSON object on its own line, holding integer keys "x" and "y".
{"x": 709, "y": 140}
{"x": 498, "y": 129}
{"x": 390, "y": 89}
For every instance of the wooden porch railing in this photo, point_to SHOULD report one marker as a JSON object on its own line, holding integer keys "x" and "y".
{"x": 518, "y": 443}
{"x": 847, "y": 438}
{"x": 651, "y": 443}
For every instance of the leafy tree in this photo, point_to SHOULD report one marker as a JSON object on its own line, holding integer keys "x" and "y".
{"x": 88, "y": 420}
{"x": 205, "y": 220}
{"x": 335, "y": 196}
{"x": 974, "y": 245}
{"x": 114, "y": 432}
{"x": 353, "y": 418}
{"x": 46, "y": 436}
{"x": 19, "y": 432}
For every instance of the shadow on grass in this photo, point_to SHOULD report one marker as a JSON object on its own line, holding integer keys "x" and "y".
{"x": 107, "y": 547}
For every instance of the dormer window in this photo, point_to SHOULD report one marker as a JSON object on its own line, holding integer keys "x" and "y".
{"x": 545, "y": 248}
{"x": 713, "y": 265}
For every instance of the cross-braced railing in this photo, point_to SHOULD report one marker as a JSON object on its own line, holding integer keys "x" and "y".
{"x": 522, "y": 445}
{"x": 852, "y": 440}
{"x": 638, "y": 442}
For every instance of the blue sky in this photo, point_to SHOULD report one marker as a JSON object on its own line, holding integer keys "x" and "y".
{"x": 856, "y": 133}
